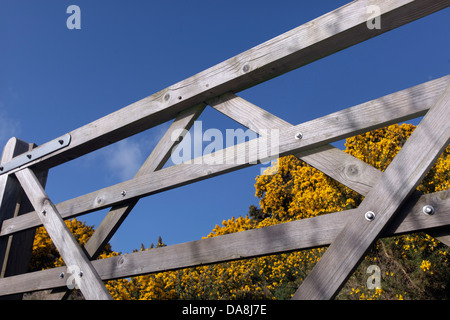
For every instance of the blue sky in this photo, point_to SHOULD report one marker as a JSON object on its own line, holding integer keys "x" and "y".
{"x": 54, "y": 80}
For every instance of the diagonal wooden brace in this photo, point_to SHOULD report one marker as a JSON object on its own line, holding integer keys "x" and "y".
{"x": 393, "y": 108}
{"x": 87, "y": 278}
{"x": 15, "y": 250}
{"x": 327, "y": 159}
{"x": 342, "y": 167}
{"x": 396, "y": 184}
{"x": 154, "y": 162}
{"x": 9, "y": 196}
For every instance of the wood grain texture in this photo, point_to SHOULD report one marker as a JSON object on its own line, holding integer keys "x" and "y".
{"x": 154, "y": 162}
{"x": 89, "y": 281}
{"x": 284, "y": 237}
{"x": 118, "y": 214}
{"x": 393, "y": 108}
{"x": 348, "y": 170}
{"x": 247, "y": 114}
{"x": 19, "y": 249}
{"x": 9, "y": 195}
{"x": 397, "y": 183}
{"x": 325, "y": 35}
{"x": 12, "y": 262}
{"x": 335, "y": 163}
{"x": 321, "y": 37}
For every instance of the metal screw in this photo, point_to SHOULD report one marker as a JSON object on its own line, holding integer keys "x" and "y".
{"x": 43, "y": 212}
{"x": 29, "y": 156}
{"x": 370, "y": 216}
{"x": 80, "y": 274}
{"x": 246, "y": 68}
{"x": 299, "y": 135}
{"x": 61, "y": 141}
{"x": 61, "y": 275}
{"x": 123, "y": 193}
{"x": 428, "y": 210}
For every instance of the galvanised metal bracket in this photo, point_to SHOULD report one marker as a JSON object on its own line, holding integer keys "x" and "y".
{"x": 35, "y": 154}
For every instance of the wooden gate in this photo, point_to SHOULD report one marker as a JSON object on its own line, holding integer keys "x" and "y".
{"x": 390, "y": 206}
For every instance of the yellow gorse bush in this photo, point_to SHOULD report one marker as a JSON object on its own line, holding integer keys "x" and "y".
{"x": 414, "y": 266}
{"x": 45, "y": 254}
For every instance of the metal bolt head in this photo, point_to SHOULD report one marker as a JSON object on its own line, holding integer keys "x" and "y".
{"x": 298, "y": 135}
{"x": 370, "y": 216}
{"x": 123, "y": 193}
{"x": 61, "y": 275}
{"x": 428, "y": 210}
{"x": 44, "y": 212}
{"x": 80, "y": 274}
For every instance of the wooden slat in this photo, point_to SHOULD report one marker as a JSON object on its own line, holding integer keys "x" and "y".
{"x": 154, "y": 162}
{"x": 118, "y": 214}
{"x": 9, "y": 195}
{"x": 246, "y": 113}
{"x": 285, "y": 237}
{"x": 282, "y": 54}
{"x": 340, "y": 166}
{"x": 393, "y": 108}
{"x": 89, "y": 282}
{"x": 9, "y": 206}
{"x": 335, "y": 163}
{"x": 325, "y": 35}
{"x": 19, "y": 249}
{"x": 399, "y": 180}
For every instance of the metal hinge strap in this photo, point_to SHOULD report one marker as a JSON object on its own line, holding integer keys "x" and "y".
{"x": 35, "y": 154}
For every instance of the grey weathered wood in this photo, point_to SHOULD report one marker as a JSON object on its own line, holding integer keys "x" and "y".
{"x": 89, "y": 282}
{"x": 9, "y": 195}
{"x": 246, "y": 113}
{"x": 335, "y": 163}
{"x": 393, "y": 108}
{"x": 399, "y": 180}
{"x": 285, "y": 237}
{"x": 20, "y": 245}
{"x": 325, "y": 35}
{"x": 350, "y": 171}
{"x": 117, "y": 214}
{"x": 443, "y": 235}
{"x": 154, "y": 162}
{"x": 9, "y": 207}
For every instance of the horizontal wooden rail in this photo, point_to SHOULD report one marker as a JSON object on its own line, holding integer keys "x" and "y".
{"x": 90, "y": 283}
{"x": 381, "y": 204}
{"x": 393, "y": 108}
{"x": 284, "y": 237}
{"x": 332, "y": 32}
{"x": 325, "y": 35}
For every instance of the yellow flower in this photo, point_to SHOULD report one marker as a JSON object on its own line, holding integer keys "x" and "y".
{"x": 425, "y": 266}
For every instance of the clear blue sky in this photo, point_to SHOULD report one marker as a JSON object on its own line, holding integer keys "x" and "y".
{"x": 54, "y": 80}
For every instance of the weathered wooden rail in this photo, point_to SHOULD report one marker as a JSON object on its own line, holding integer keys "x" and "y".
{"x": 390, "y": 205}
